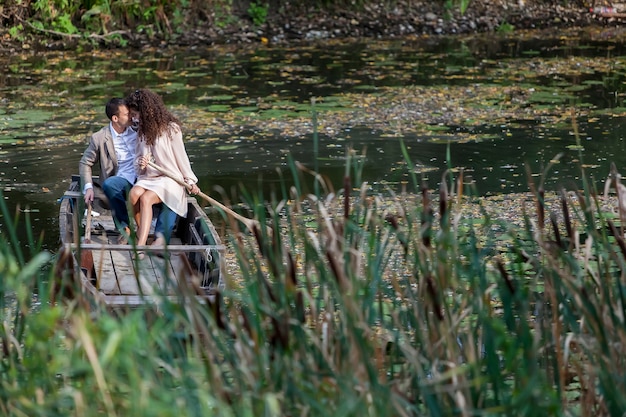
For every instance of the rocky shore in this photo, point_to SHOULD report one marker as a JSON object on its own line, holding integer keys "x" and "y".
{"x": 406, "y": 18}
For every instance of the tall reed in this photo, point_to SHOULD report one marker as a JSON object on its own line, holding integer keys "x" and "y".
{"x": 349, "y": 302}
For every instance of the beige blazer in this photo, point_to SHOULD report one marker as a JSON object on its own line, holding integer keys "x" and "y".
{"x": 100, "y": 150}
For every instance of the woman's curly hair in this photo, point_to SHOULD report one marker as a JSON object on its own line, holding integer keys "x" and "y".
{"x": 154, "y": 118}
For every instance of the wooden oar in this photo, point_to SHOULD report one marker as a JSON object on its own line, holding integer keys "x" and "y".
{"x": 250, "y": 223}
{"x": 86, "y": 256}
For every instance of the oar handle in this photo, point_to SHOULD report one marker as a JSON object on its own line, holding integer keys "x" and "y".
{"x": 88, "y": 223}
{"x": 248, "y": 222}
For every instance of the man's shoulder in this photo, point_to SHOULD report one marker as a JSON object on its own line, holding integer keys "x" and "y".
{"x": 101, "y": 134}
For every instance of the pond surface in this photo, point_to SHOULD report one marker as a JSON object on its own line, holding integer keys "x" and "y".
{"x": 499, "y": 106}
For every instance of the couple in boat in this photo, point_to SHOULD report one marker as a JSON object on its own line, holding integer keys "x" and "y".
{"x": 142, "y": 135}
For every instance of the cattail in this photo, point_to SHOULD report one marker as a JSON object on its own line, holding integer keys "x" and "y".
{"x": 259, "y": 240}
{"x": 300, "y": 313}
{"x": 268, "y": 288}
{"x": 339, "y": 228}
{"x": 584, "y": 293}
{"x": 5, "y": 344}
{"x": 216, "y": 310}
{"x": 291, "y": 281}
{"x": 248, "y": 328}
{"x": 522, "y": 254}
{"x": 430, "y": 286}
{"x": 271, "y": 260}
{"x": 347, "y": 186}
{"x": 337, "y": 272}
{"x": 393, "y": 221}
{"x": 618, "y": 238}
{"x": 582, "y": 201}
{"x": 425, "y": 199}
{"x": 566, "y": 218}
{"x": 266, "y": 284}
{"x": 280, "y": 335}
{"x": 505, "y": 275}
{"x": 63, "y": 283}
{"x": 557, "y": 234}
{"x": 443, "y": 203}
{"x": 459, "y": 188}
{"x": 541, "y": 215}
{"x": 427, "y": 217}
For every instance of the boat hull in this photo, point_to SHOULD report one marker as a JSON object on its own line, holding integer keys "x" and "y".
{"x": 190, "y": 266}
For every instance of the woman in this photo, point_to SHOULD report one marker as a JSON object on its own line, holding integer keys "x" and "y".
{"x": 160, "y": 140}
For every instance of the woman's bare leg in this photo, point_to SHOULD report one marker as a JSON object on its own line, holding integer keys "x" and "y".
{"x": 146, "y": 201}
{"x": 135, "y": 194}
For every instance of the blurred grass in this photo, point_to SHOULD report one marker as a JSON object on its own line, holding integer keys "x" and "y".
{"x": 351, "y": 306}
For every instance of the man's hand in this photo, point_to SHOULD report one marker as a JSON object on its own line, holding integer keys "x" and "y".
{"x": 89, "y": 195}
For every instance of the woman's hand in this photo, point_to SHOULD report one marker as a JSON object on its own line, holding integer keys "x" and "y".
{"x": 193, "y": 189}
{"x": 143, "y": 160}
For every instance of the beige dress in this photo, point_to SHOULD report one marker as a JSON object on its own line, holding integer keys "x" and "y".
{"x": 168, "y": 151}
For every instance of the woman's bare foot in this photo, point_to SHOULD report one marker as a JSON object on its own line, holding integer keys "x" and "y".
{"x": 139, "y": 256}
{"x": 124, "y": 236}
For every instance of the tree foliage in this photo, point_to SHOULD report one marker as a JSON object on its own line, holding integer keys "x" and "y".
{"x": 107, "y": 19}
{"x": 116, "y": 21}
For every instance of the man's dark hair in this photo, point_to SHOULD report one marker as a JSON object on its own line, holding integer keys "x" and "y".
{"x": 113, "y": 106}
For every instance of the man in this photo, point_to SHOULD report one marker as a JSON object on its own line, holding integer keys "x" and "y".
{"x": 113, "y": 147}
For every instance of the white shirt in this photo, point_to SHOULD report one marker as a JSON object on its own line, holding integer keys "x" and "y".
{"x": 125, "y": 144}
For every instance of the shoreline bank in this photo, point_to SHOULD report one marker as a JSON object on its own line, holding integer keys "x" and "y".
{"x": 297, "y": 24}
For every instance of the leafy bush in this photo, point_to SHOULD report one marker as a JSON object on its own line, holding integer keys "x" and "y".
{"x": 258, "y": 13}
{"x": 57, "y": 13}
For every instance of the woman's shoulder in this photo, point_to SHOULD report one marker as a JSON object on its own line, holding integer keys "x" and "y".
{"x": 174, "y": 130}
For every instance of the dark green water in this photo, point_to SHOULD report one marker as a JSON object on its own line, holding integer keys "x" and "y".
{"x": 50, "y": 102}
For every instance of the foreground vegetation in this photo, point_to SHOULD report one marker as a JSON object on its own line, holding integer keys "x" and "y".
{"x": 345, "y": 305}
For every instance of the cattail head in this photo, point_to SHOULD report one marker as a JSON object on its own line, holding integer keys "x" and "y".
{"x": 443, "y": 203}
{"x": 566, "y": 218}
{"x": 557, "y": 234}
{"x": 300, "y": 312}
{"x": 291, "y": 280}
{"x": 347, "y": 186}
{"x": 392, "y": 220}
{"x": 280, "y": 334}
{"x": 425, "y": 199}
{"x": 541, "y": 214}
{"x": 432, "y": 292}
{"x": 427, "y": 217}
{"x": 505, "y": 275}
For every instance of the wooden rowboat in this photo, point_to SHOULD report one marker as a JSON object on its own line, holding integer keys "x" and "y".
{"x": 192, "y": 263}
